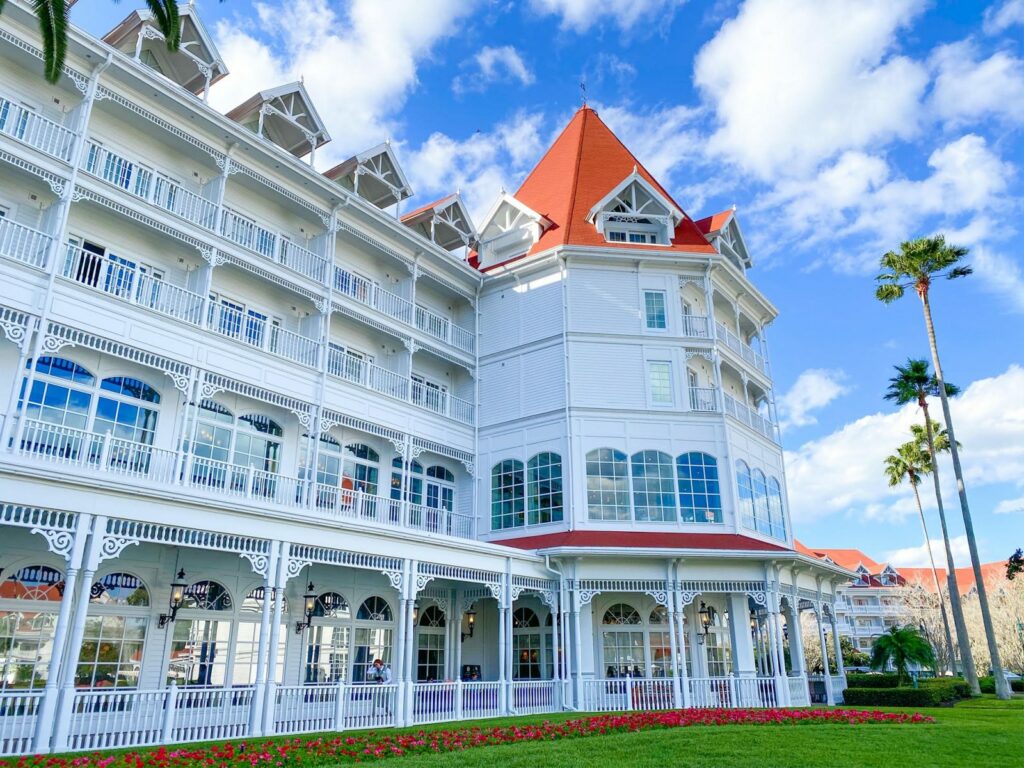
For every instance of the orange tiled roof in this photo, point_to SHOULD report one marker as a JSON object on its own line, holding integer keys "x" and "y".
{"x": 714, "y": 222}
{"x": 846, "y": 558}
{"x": 586, "y": 162}
{"x": 425, "y": 208}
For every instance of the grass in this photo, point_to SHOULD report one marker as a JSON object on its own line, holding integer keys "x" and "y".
{"x": 973, "y": 733}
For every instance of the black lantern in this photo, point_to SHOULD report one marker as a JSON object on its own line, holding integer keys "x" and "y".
{"x": 471, "y": 618}
{"x": 704, "y": 614}
{"x": 177, "y": 598}
{"x": 415, "y": 614}
{"x": 308, "y": 609}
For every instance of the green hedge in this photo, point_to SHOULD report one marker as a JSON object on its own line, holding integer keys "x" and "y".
{"x": 988, "y": 684}
{"x": 928, "y": 696}
{"x": 872, "y": 681}
{"x": 949, "y": 688}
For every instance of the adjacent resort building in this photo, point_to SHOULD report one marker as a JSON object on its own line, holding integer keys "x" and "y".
{"x": 263, "y": 425}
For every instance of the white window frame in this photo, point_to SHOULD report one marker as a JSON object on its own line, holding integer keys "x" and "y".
{"x": 651, "y": 396}
{"x": 648, "y": 328}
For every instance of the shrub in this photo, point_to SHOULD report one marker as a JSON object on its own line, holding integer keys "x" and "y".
{"x": 929, "y": 696}
{"x": 949, "y": 688}
{"x": 872, "y": 681}
{"x": 988, "y": 684}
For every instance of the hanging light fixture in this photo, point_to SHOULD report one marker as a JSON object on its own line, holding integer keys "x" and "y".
{"x": 471, "y": 619}
{"x": 704, "y": 614}
{"x": 177, "y": 598}
{"x": 415, "y": 614}
{"x": 308, "y": 609}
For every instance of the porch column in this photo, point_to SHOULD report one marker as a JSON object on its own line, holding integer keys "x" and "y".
{"x": 563, "y": 614}
{"x": 280, "y": 581}
{"x": 698, "y": 652}
{"x": 796, "y": 641}
{"x": 73, "y": 649}
{"x": 679, "y": 629}
{"x": 840, "y": 670}
{"x": 742, "y": 643}
{"x": 260, "y": 699}
{"x": 577, "y": 648}
{"x": 670, "y": 606}
{"x": 44, "y": 719}
{"x": 457, "y": 634}
{"x": 553, "y": 607}
{"x": 775, "y": 652}
{"x": 829, "y": 695}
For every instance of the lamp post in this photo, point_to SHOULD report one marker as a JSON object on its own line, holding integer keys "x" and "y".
{"x": 471, "y": 619}
{"x": 308, "y": 609}
{"x": 704, "y": 614}
{"x": 177, "y": 598}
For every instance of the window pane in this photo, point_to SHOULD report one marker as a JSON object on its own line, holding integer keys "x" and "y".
{"x": 544, "y": 481}
{"x": 659, "y": 375}
{"x": 508, "y": 502}
{"x": 654, "y": 308}
{"x": 607, "y": 485}
{"x": 654, "y": 492}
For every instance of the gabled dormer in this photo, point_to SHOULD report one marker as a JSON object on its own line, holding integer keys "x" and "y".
{"x": 723, "y": 232}
{"x": 863, "y": 578}
{"x": 509, "y": 230}
{"x": 285, "y": 116}
{"x": 195, "y": 66}
{"x": 635, "y": 213}
{"x": 374, "y": 175}
{"x": 889, "y": 577}
{"x": 445, "y": 222}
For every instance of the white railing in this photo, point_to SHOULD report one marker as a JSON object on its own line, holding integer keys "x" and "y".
{"x": 838, "y": 686}
{"x": 695, "y": 326}
{"x": 33, "y": 129}
{"x": 799, "y": 696}
{"x": 23, "y": 244}
{"x": 703, "y": 399}
{"x": 751, "y": 418}
{"x": 222, "y": 478}
{"x": 432, "y": 324}
{"x": 434, "y": 702}
{"x": 303, "y": 260}
{"x": 716, "y": 692}
{"x": 625, "y": 693}
{"x": 120, "y": 718}
{"x": 387, "y": 382}
{"x": 118, "y": 170}
{"x": 442, "y": 521}
{"x": 206, "y": 714}
{"x": 247, "y": 233}
{"x": 182, "y": 202}
{"x": 740, "y": 347}
{"x": 478, "y": 700}
{"x": 370, "y": 706}
{"x": 431, "y": 398}
{"x": 536, "y": 697}
{"x": 463, "y": 338}
{"x": 251, "y": 328}
{"x": 19, "y": 716}
{"x": 308, "y": 708}
{"x": 120, "y": 278}
{"x": 391, "y": 304}
{"x": 343, "y": 503}
{"x": 294, "y": 346}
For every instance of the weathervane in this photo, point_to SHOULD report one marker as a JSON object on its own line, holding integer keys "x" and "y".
{"x": 583, "y": 92}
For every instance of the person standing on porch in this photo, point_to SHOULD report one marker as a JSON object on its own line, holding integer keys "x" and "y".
{"x": 380, "y": 672}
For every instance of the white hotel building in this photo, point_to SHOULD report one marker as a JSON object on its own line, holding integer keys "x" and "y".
{"x": 259, "y": 428}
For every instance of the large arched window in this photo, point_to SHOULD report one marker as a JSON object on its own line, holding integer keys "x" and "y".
{"x": 654, "y": 491}
{"x": 700, "y": 497}
{"x": 374, "y": 630}
{"x": 508, "y": 492}
{"x": 440, "y": 488}
{"x": 115, "y": 633}
{"x": 258, "y": 443}
{"x": 528, "y": 645}
{"x": 745, "y": 485}
{"x": 776, "y": 516}
{"x": 29, "y": 602}
{"x": 361, "y": 471}
{"x": 201, "y": 640}
{"x": 607, "y": 484}
{"x": 251, "y": 442}
{"x": 414, "y": 481}
{"x": 622, "y": 642}
{"x": 760, "y": 486}
{"x": 544, "y": 488}
{"x": 430, "y": 645}
{"x": 327, "y": 649}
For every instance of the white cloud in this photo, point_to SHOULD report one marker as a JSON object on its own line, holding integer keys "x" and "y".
{"x": 358, "y": 64}
{"x": 581, "y": 15}
{"x": 1009, "y": 506}
{"x": 1002, "y": 17}
{"x": 813, "y": 390}
{"x": 842, "y": 472}
{"x": 493, "y": 65}
{"x": 917, "y": 557}
{"x": 793, "y": 82}
{"x": 968, "y": 89}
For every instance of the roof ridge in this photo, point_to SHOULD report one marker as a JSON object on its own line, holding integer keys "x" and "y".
{"x": 576, "y": 173}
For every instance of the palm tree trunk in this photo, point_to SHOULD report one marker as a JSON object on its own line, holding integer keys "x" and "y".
{"x": 963, "y": 640}
{"x": 1002, "y": 686}
{"x": 935, "y": 576}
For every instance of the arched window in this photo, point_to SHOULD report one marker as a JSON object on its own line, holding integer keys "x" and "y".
{"x": 508, "y": 502}
{"x": 607, "y": 484}
{"x": 544, "y": 488}
{"x": 745, "y": 485}
{"x": 414, "y": 479}
{"x": 258, "y": 442}
{"x": 660, "y": 642}
{"x": 440, "y": 488}
{"x": 374, "y": 609}
{"x": 776, "y": 515}
{"x": 622, "y": 613}
{"x": 654, "y": 492}
{"x": 430, "y": 645}
{"x": 201, "y": 640}
{"x": 29, "y": 602}
{"x": 207, "y": 596}
{"x": 700, "y": 497}
{"x": 327, "y": 642}
{"x": 361, "y": 468}
{"x": 332, "y": 605}
{"x": 528, "y": 645}
{"x": 252, "y": 441}
{"x": 760, "y": 486}
{"x": 622, "y": 642}
{"x": 373, "y": 637}
{"x": 115, "y": 633}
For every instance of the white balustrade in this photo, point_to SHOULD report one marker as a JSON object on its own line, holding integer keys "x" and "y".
{"x": 433, "y": 702}
{"x": 118, "y": 170}
{"x": 206, "y": 714}
{"x": 24, "y": 244}
{"x": 432, "y": 324}
{"x": 442, "y": 521}
{"x": 604, "y": 696}
{"x": 355, "y": 287}
{"x": 712, "y": 692}
{"x": 117, "y": 718}
{"x": 751, "y": 418}
{"x": 294, "y": 346}
{"x": 463, "y": 338}
{"x": 432, "y": 398}
{"x": 695, "y": 326}
{"x": 170, "y": 300}
{"x": 370, "y": 706}
{"x": 462, "y": 410}
{"x": 535, "y": 697}
{"x": 247, "y": 233}
{"x": 799, "y": 695}
{"x": 307, "y": 708}
{"x": 19, "y": 715}
{"x": 740, "y": 347}
{"x": 250, "y": 328}
{"x": 478, "y": 699}
{"x": 703, "y": 399}
{"x": 31, "y": 128}
{"x": 387, "y": 382}
{"x": 173, "y": 197}
{"x": 391, "y": 304}
{"x": 303, "y": 260}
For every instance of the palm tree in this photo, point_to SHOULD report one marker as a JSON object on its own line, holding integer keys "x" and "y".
{"x": 53, "y": 25}
{"x": 914, "y": 383}
{"x": 899, "y": 646}
{"x": 916, "y": 265}
{"x": 911, "y": 463}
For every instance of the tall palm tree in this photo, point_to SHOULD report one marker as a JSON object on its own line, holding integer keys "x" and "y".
{"x": 901, "y": 645}
{"x": 911, "y": 463}
{"x": 912, "y": 383}
{"x": 53, "y": 25}
{"x": 916, "y": 265}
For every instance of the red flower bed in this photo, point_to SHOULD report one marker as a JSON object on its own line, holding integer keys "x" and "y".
{"x": 272, "y": 753}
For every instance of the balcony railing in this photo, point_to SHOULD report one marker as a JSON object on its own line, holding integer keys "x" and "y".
{"x": 751, "y": 418}
{"x": 302, "y": 260}
{"x": 29, "y": 127}
{"x": 695, "y": 326}
{"x": 703, "y": 399}
{"x": 24, "y": 244}
{"x": 247, "y": 233}
{"x": 252, "y": 328}
{"x": 102, "y": 453}
{"x": 173, "y": 197}
{"x": 741, "y": 348}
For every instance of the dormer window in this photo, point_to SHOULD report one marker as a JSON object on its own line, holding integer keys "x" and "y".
{"x": 636, "y": 213}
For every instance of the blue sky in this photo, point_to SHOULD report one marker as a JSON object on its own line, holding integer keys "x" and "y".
{"x": 838, "y": 129}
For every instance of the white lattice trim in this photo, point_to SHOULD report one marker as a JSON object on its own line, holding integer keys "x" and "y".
{"x": 217, "y": 381}
{"x": 270, "y": 184}
{"x": 149, "y": 221}
{"x": 442, "y": 450}
{"x": 718, "y": 585}
{"x": 533, "y": 583}
{"x": 156, "y": 533}
{"x": 380, "y": 246}
{"x": 56, "y": 182}
{"x": 16, "y": 325}
{"x": 80, "y": 338}
{"x": 38, "y": 517}
{"x": 273, "y": 277}
{"x": 329, "y": 556}
{"x": 362, "y": 425}
{"x": 458, "y": 573}
{"x": 361, "y": 317}
{"x": 470, "y": 297}
{"x": 446, "y": 356}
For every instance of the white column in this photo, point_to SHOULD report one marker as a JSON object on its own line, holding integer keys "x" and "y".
{"x": 796, "y": 637}
{"x": 577, "y": 648}
{"x": 554, "y": 639}
{"x": 280, "y": 582}
{"x": 457, "y": 635}
{"x": 679, "y": 629}
{"x": 829, "y": 694}
{"x": 260, "y": 699}
{"x": 742, "y": 642}
{"x": 698, "y": 651}
{"x": 836, "y": 642}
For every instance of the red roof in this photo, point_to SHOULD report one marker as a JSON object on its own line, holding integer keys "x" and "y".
{"x": 586, "y": 162}
{"x": 714, "y": 222}
{"x": 425, "y": 208}
{"x": 643, "y": 539}
{"x": 845, "y": 558}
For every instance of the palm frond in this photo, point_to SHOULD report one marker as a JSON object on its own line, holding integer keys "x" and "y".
{"x": 165, "y": 13}
{"x": 910, "y": 382}
{"x": 889, "y": 292}
{"x": 53, "y": 25}
{"x": 916, "y": 263}
{"x": 959, "y": 272}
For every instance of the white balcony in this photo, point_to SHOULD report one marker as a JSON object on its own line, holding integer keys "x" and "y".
{"x": 741, "y": 348}
{"x": 748, "y": 416}
{"x": 703, "y": 399}
{"x": 99, "y": 454}
{"x": 31, "y": 128}
{"x": 255, "y": 330}
{"x": 24, "y": 244}
{"x": 696, "y": 327}
{"x": 444, "y": 329}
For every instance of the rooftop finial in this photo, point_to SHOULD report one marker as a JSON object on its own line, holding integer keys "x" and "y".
{"x": 734, "y": 207}
{"x": 583, "y": 92}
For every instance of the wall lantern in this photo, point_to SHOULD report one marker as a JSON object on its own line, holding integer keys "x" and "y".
{"x": 471, "y": 618}
{"x": 308, "y": 609}
{"x": 177, "y": 598}
{"x": 415, "y": 614}
{"x": 705, "y": 622}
